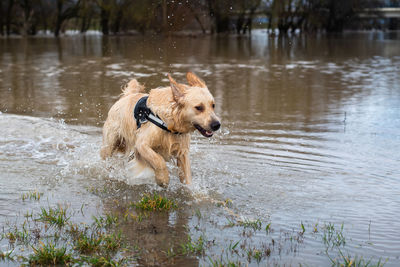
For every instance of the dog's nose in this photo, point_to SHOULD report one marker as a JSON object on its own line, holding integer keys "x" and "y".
{"x": 215, "y": 125}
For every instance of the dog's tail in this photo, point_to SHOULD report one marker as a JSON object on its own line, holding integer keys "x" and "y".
{"x": 132, "y": 87}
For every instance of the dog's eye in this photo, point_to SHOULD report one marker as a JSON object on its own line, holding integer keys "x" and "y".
{"x": 199, "y": 107}
{"x": 213, "y": 105}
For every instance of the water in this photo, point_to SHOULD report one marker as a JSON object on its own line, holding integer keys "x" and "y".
{"x": 311, "y": 129}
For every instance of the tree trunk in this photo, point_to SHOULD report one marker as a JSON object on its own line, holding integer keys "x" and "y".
{"x": 86, "y": 21}
{"x": 240, "y": 23}
{"x": 43, "y": 16}
{"x": 164, "y": 16}
{"x": 89, "y": 22}
{"x": 117, "y": 22}
{"x": 57, "y": 28}
{"x": 222, "y": 23}
{"x": 212, "y": 14}
{"x": 59, "y": 19}
{"x": 104, "y": 18}
{"x": 248, "y": 25}
{"x": 249, "y": 22}
{"x": 9, "y": 16}
{"x": 28, "y": 14}
{"x": 83, "y": 24}
{"x": 1, "y": 20}
{"x": 270, "y": 21}
{"x": 393, "y": 24}
{"x": 196, "y": 16}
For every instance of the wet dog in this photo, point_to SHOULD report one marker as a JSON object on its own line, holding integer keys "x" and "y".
{"x": 182, "y": 109}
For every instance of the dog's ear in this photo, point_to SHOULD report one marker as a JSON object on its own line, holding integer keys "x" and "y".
{"x": 178, "y": 90}
{"x": 194, "y": 80}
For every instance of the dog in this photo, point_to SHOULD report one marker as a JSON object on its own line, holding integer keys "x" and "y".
{"x": 180, "y": 108}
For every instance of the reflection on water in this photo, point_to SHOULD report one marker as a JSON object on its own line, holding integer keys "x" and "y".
{"x": 311, "y": 126}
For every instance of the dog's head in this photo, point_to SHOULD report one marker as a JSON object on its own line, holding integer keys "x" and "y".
{"x": 196, "y": 105}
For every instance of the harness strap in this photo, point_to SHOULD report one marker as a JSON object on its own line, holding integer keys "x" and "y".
{"x": 143, "y": 114}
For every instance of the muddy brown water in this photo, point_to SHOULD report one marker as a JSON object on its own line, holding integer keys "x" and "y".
{"x": 310, "y": 134}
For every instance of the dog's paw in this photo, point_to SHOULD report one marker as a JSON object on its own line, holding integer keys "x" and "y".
{"x": 163, "y": 185}
{"x": 162, "y": 178}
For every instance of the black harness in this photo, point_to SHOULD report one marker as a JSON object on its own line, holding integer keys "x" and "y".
{"x": 143, "y": 114}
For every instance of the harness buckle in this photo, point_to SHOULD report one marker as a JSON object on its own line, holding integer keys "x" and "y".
{"x": 143, "y": 114}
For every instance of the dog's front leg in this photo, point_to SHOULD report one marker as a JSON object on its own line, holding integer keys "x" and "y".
{"x": 183, "y": 162}
{"x": 156, "y": 161}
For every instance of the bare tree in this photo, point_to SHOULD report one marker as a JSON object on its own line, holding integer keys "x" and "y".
{"x": 1, "y": 18}
{"x": 105, "y": 13}
{"x": 196, "y": 8}
{"x": 245, "y": 10}
{"x": 166, "y": 16}
{"x": 117, "y": 13}
{"x": 66, "y": 9}
{"x": 220, "y": 15}
{"x": 27, "y": 15}
{"x": 86, "y": 14}
{"x": 9, "y": 16}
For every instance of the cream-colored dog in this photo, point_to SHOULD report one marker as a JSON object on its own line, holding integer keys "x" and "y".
{"x": 183, "y": 109}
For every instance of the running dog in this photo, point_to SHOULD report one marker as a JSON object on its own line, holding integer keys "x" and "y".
{"x": 157, "y": 126}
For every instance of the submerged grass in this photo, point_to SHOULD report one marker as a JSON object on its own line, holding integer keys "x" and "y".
{"x": 54, "y": 216}
{"x": 101, "y": 261}
{"x": 224, "y": 262}
{"x": 6, "y": 256}
{"x": 18, "y": 235}
{"x": 34, "y": 195}
{"x": 255, "y": 253}
{"x": 98, "y": 242}
{"x": 193, "y": 246}
{"x": 87, "y": 243}
{"x": 49, "y": 254}
{"x": 333, "y": 237}
{"x": 253, "y": 224}
{"x": 155, "y": 202}
{"x": 102, "y": 243}
{"x": 69, "y": 244}
{"x": 107, "y": 221}
{"x": 356, "y": 261}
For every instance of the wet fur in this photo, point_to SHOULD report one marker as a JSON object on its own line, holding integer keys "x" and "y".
{"x": 152, "y": 146}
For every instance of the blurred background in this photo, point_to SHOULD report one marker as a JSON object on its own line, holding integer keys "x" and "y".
{"x": 32, "y": 17}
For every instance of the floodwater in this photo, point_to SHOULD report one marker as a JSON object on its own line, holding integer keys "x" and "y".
{"x": 310, "y": 133}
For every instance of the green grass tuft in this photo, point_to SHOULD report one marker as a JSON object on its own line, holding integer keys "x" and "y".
{"x": 49, "y": 254}
{"x": 254, "y": 224}
{"x": 220, "y": 262}
{"x": 255, "y": 254}
{"x": 87, "y": 243}
{"x": 4, "y": 256}
{"x": 155, "y": 203}
{"x": 193, "y": 246}
{"x": 349, "y": 261}
{"x": 101, "y": 261}
{"x": 333, "y": 237}
{"x": 106, "y": 222}
{"x": 34, "y": 195}
{"x": 112, "y": 242}
{"x": 54, "y": 216}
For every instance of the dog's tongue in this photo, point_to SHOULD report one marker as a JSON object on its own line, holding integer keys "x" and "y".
{"x": 208, "y": 133}
{"x": 203, "y": 131}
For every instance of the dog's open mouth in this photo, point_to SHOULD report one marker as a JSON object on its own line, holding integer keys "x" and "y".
{"x": 203, "y": 131}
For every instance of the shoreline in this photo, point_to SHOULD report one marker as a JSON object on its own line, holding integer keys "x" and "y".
{"x": 193, "y": 34}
